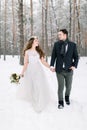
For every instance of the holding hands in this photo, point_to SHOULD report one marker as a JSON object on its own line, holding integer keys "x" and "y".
{"x": 52, "y": 68}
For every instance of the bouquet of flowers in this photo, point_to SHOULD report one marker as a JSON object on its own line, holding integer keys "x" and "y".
{"x": 15, "y": 78}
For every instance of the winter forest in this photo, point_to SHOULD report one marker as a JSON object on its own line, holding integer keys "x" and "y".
{"x": 21, "y": 19}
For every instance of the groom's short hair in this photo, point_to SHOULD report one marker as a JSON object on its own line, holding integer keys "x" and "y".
{"x": 64, "y": 31}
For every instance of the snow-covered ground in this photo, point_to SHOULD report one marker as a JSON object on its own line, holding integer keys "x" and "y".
{"x": 19, "y": 115}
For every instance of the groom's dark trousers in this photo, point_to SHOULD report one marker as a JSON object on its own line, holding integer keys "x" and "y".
{"x": 64, "y": 78}
{"x": 64, "y": 73}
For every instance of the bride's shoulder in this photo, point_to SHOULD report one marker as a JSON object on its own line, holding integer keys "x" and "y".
{"x": 27, "y": 51}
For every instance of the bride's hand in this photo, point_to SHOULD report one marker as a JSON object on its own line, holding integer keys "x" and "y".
{"x": 52, "y": 69}
{"x": 21, "y": 75}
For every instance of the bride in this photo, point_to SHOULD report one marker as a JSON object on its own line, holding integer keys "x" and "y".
{"x": 35, "y": 86}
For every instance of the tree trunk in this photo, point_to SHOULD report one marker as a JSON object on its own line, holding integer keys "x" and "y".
{"x": 25, "y": 32}
{"x": 13, "y": 29}
{"x": 78, "y": 25}
{"x": 74, "y": 20}
{"x": 21, "y": 30}
{"x": 46, "y": 30}
{"x": 55, "y": 17}
{"x": 0, "y": 29}
{"x": 5, "y": 28}
{"x": 31, "y": 13}
{"x": 51, "y": 39}
{"x": 42, "y": 24}
{"x": 70, "y": 20}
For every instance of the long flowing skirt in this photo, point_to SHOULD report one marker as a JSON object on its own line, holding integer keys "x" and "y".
{"x": 38, "y": 86}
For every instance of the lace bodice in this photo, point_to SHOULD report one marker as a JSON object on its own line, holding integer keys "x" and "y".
{"x": 33, "y": 56}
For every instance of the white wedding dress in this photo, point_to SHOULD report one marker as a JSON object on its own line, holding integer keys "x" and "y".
{"x": 37, "y": 86}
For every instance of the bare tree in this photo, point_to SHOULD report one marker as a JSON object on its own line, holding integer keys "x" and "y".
{"x": 78, "y": 25}
{"x": 46, "y": 31}
{"x": 51, "y": 31}
{"x": 74, "y": 20}
{"x": 0, "y": 29}
{"x": 31, "y": 13}
{"x": 21, "y": 30}
{"x": 70, "y": 20}
{"x": 43, "y": 24}
{"x": 55, "y": 17}
{"x": 5, "y": 28}
{"x": 13, "y": 28}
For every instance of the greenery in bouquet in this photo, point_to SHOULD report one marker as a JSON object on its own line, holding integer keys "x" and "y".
{"x": 15, "y": 78}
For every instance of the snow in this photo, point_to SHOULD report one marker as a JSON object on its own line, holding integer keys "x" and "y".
{"x": 19, "y": 115}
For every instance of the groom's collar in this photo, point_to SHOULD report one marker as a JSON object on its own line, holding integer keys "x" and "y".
{"x": 67, "y": 40}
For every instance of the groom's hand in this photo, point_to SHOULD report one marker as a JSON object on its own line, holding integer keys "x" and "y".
{"x": 72, "y": 68}
{"x": 52, "y": 68}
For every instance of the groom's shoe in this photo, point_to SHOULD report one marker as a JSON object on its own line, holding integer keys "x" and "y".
{"x": 61, "y": 105}
{"x": 67, "y": 100}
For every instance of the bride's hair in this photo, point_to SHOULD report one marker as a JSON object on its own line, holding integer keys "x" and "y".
{"x": 29, "y": 46}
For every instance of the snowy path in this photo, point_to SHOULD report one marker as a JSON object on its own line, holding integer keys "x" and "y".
{"x": 19, "y": 115}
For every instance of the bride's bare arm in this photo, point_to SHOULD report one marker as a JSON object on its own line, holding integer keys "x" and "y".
{"x": 25, "y": 63}
{"x": 45, "y": 63}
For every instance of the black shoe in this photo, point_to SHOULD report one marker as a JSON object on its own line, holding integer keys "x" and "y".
{"x": 61, "y": 105}
{"x": 67, "y": 100}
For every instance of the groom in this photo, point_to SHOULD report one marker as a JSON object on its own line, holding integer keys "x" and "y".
{"x": 66, "y": 56}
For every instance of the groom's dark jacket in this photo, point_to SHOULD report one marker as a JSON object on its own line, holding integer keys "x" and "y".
{"x": 70, "y": 59}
